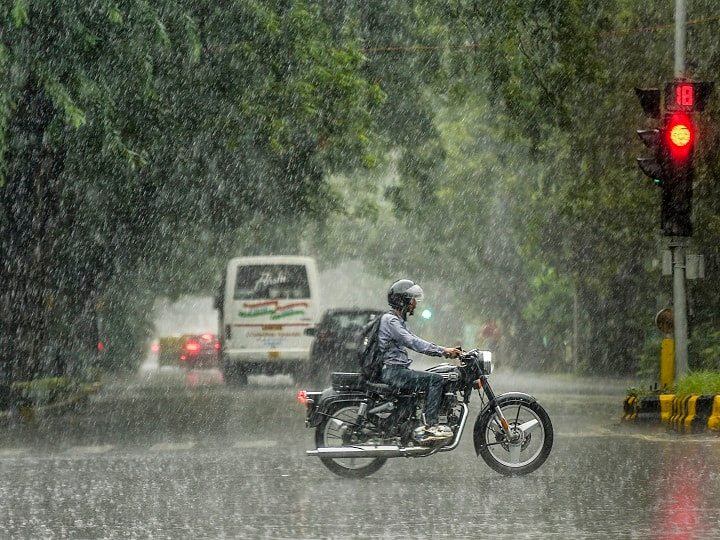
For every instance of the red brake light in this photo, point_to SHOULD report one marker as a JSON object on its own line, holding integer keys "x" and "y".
{"x": 192, "y": 346}
{"x": 302, "y": 397}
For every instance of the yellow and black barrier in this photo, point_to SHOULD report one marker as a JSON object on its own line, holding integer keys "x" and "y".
{"x": 691, "y": 414}
{"x": 687, "y": 414}
{"x": 630, "y": 408}
{"x": 642, "y": 409}
{"x": 714, "y": 420}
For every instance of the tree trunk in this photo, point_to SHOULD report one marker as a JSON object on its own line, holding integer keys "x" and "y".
{"x": 29, "y": 209}
{"x": 576, "y": 328}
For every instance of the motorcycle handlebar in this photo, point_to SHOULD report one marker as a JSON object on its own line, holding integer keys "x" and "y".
{"x": 459, "y": 354}
{"x": 468, "y": 355}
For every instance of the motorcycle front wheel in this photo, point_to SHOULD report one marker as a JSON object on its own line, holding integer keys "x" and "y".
{"x": 336, "y": 431}
{"x": 530, "y": 442}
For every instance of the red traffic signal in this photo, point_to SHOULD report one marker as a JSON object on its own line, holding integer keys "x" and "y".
{"x": 679, "y": 136}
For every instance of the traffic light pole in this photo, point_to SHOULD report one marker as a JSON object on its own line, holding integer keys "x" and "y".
{"x": 680, "y": 30}
{"x": 677, "y": 246}
{"x": 671, "y": 168}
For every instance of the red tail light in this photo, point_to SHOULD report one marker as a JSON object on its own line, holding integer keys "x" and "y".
{"x": 192, "y": 346}
{"x": 302, "y": 397}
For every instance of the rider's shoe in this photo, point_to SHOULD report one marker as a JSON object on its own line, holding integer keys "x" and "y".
{"x": 427, "y": 434}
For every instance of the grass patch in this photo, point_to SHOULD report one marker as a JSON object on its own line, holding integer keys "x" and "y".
{"x": 698, "y": 382}
{"x": 44, "y": 391}
{"x": 650, "y": 390}
{"x": 51, "y": 390}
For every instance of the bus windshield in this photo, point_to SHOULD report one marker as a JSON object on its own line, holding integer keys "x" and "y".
{"x": 271, "y": 281}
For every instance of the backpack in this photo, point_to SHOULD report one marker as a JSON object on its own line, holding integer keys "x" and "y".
{"x": 370, "y": 357}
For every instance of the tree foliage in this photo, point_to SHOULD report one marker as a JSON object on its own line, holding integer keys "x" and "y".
{"x": 486, "y": 145}
{"x": 137, "y": 136}
{"x": 540, "y": 218}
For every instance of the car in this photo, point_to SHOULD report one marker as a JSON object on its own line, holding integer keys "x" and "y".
{"x": 337, "y": 337}
{"x": 200, "y": 351}
{"x": 167, "y": 350}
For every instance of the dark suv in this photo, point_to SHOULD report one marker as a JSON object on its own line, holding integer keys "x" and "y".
{"x": 200, "y": 351}
{"x": 337, "y": 337}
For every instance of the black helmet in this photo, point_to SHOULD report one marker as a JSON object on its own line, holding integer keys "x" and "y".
{"x": 402, "y": 292}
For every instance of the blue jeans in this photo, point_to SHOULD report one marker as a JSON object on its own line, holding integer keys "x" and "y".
{"x": 414, "y": 381}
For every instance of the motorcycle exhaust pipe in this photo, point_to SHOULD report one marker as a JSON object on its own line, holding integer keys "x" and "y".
{"x": 370, "y": 451}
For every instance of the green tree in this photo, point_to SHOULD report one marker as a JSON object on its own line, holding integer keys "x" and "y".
{"x": 67, "y": 68}
{"x": 538, "y": 204}
{"x": 131, "y": 129}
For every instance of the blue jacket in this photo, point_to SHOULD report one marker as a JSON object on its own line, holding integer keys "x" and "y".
{"x": 394, "y": 338}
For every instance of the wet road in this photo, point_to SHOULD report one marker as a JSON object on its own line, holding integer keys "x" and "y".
{"x": 171, "y": 455}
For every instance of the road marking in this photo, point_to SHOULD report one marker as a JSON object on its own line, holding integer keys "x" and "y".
{"x": 160, "y": 447}
{"x": 87, "y": 450}
{"x": 13, "y": 452}
{"x": 255, "y": 444}
{"x": 172, "y": 447}
{"x": 600, "y": 431}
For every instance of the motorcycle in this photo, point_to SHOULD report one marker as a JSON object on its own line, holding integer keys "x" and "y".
{"x": 359, "y": 425}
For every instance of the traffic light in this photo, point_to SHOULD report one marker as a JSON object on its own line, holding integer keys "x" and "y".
{"x": 652, "y": 138}
{"x": 676, "y": 209}
{"x": 653, "y": 166}
{"x": 672, "y": 144}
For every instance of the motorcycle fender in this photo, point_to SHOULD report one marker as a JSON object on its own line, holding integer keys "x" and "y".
{"x": 521, "y": 396}
{"x": 509, "y": 396}
{"x": 329, "y": 398}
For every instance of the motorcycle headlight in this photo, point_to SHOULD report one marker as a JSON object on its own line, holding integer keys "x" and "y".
{"x": 487, "y": 363}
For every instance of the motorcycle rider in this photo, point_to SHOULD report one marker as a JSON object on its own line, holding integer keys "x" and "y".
{"x": 393, "y": 339}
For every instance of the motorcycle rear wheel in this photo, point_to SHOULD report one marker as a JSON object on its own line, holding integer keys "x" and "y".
{"x": 333, "y": 432}
{"x": 532, "y": 446}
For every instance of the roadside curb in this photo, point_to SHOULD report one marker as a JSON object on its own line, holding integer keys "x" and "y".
{"x": 687, "y": 414}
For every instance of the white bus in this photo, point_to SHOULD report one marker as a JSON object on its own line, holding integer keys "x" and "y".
{"x": 265, "y": 304}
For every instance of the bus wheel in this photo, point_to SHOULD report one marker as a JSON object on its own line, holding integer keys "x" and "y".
{"x": 312, "y": 374}
{"x": 235, "y": 376}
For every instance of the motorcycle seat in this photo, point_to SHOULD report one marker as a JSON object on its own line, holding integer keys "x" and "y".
{"x": 347, "y": 381}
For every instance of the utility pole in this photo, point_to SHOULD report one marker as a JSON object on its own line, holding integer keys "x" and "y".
{"x": 678, "y": 244}
{"x": 680, "y": 30}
